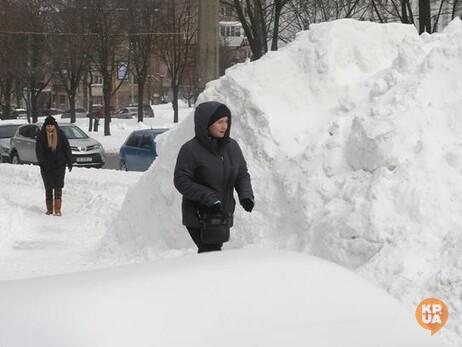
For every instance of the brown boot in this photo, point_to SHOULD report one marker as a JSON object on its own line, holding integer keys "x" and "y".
{"x": 58, "y": 207}
{"x": 49, "y": 207}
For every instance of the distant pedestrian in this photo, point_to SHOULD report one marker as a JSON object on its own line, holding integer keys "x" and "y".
{"x": 208, "y": 169}
{"x": 53, "y": 155}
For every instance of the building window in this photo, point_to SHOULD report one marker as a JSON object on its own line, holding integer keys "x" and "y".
{"x": 62, "y": 100}
{"x": 230, "y": 31}
{"x": 97, "y": 79}
{"x": 97, "y": 100}
{"x": 229, "y": 12}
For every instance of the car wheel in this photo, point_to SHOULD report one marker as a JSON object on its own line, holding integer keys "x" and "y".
{"x": 15, "y": 158}
{"x": 123, "y": 166}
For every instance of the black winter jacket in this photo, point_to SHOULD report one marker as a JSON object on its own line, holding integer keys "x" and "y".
{"x": 53, "y": 164}
{"x": 208, "y": 169}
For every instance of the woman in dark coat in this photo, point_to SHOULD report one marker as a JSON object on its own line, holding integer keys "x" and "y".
{"x": 208, "y": 169}
{"x": 53, "y": 155}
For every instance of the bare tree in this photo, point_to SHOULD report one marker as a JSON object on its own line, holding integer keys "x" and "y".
{"x": 108, "y": 23}
{"x": 10, "y": 57}
{"x": 261, "y": 21}
{"x": 36, "y": 72}
{"x": 175, "y": 46}
{"x": 300, "y": 14}
{"x": 143, "y": 21}
{"x": 69, "y": 52}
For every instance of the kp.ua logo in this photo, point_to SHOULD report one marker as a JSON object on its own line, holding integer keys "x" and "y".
{"x": 432, "y": 314}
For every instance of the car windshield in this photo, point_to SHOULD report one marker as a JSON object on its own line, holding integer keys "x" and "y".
{"x": 7, "y": 131}
{"x": 73, "y": 132}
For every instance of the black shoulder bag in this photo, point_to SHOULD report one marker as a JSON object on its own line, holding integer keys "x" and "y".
{"x": 214, "y": 227}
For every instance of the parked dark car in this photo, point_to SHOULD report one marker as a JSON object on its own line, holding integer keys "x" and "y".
{"x": 18, "y": 113}
{"x": 51, "y": 112}
{"x": 86, "y": 152}
{"x": 126, "y": 113}
{"x": 80, "y": 112}
{"x": 147, "y": 110}
{"x": 97, "y": 110}
{"x": 139, "y": 150}
{"x": 7, "y": 131}
{"x": 3, "y": 115}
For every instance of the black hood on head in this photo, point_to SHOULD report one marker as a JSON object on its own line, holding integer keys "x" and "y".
{"x": 204, "y": 112}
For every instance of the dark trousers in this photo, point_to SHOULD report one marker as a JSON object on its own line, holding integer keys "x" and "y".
{"x": 203, "y": 247}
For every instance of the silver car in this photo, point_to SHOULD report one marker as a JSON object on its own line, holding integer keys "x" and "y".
{"x": 86, "y": 152}
{"x": 7, "y": 131}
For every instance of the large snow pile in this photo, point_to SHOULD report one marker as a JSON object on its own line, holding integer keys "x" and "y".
{"x": 238, "y": 298}
{"x": 353, "y": 136}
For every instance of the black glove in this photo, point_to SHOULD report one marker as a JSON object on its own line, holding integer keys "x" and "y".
{"x": 69, "y": 167}
{"x": 247, "y": 204}
{"x": 216, "y": 207}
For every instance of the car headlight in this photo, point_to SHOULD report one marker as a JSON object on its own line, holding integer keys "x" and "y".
{"x": 98, "y": 147}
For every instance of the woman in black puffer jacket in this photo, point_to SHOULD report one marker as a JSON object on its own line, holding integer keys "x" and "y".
{"x": 53, "y": 154}
{"x": 208, "y": 169}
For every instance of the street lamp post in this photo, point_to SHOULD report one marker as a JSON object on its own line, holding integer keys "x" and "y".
{"x": 208, "y": 42}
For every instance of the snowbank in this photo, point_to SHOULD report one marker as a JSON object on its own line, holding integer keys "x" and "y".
{"x": 237, "y": 298}
{"x": 353, "y": 139}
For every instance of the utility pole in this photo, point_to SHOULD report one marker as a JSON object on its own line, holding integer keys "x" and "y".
{"x": 208, "y": 42}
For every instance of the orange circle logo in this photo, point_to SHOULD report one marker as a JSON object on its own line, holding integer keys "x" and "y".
{"x": 432, "y": 314}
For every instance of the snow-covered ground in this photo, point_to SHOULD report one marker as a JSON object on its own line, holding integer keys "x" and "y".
{"x": 34, "y": 244}
{"x": 243, "y": 298}
{"x": 353, "y": 140}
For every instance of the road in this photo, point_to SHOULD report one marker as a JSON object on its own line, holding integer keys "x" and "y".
{"x": 111, "y": 161}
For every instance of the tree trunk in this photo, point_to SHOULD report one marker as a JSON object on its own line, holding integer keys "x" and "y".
{"x": 140, "y": 100}
{"x": 404, "y": 16}
{"x": 33, "y": 102}
{"x": 90, "y": 106}
{"x": 18, "y": 91}
{"x": 175, "y": 90}
{"x": 107, "y": 110}
{"x": 7, "y": 92}
{"x": 260, "y": 31}
{"x": 277, "y": 17}
{"x": 71, "y": 97}
{"x": 85, "y": 92}
{"x": 424, "y": 16}
{"x": 454, "y": 8}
